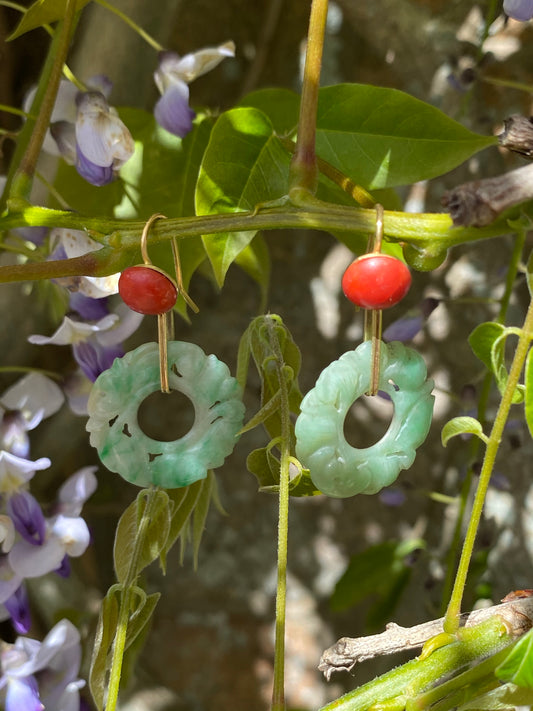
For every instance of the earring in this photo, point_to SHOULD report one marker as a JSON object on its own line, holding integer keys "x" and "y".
{"x": 337, "y": 468}
{"x": 118, "y": 392}
{"x": 374, "y": 281}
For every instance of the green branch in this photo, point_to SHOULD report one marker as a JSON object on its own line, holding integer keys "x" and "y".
{"x": 394, "y": 689}
{"x": 432, "y": 232}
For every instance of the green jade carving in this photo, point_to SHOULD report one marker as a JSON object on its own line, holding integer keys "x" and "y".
{"x": 122, "y": 445}
{"x": 337, "y": 468}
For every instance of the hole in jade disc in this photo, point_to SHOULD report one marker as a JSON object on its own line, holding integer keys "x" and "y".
{"x": 166, "y": 417}
{"x": 368, "y": 420}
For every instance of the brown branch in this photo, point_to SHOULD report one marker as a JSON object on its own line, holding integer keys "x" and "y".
{"x": 478, "y": 203}
{"x": 517, "y": 615}
{"x": 517, "y": 135}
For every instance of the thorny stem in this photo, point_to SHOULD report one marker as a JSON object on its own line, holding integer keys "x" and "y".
{"x": 512, "y": 271}
{"x": 303, "y": 170}
{"x": 451, "y": 621}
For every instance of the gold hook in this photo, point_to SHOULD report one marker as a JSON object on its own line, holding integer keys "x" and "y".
{"x": 179, "y": 276}
{"x": 144, "y": 237}
{"x": 164, "y": 321}
{"x": 374, "y": 318}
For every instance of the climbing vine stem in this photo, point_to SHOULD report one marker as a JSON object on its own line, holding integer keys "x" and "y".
{"x": 512, "y": 272}
{"x": 278, "y": 693}
{"x": 451, "y": 620}
{"x": 126, "y": 599}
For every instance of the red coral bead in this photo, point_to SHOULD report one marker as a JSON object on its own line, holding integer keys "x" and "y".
{"x": 147, "y": 290}
{"x": 376, "y": 281}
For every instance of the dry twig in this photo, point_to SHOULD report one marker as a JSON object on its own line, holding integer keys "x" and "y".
{"x": 516, "y": 613}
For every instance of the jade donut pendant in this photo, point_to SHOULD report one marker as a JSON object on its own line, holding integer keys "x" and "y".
{"x": 337, "y": 468}
{"x": 122, "y": 445}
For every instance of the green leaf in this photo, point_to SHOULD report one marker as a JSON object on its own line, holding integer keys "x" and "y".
{"x": 270, "y": 344}
{"x": 462, "y": 425}
{"x": 529, "y": 274}
{"x": 140, "y": 613}
{"x": 103, "y": 642}
{"x": 375, "y": 570}
{"x": 282, "y": 107}
{"x": 43, "y": 12}
{"x": 183, "y": 504}
{"x": 129, "y": 559}
{"x": 383, "y": 137}
{"x": 268, "y": 410}
{"x": 503, "y": 698}
{"x": 518, "y": 666}
{"x": 84, "y": 197}
{"x": 200, "y": 514}
{"x": 243, "y": 166}
{"x": 498, "y": 364}
{"x": 265, "y": 466}
{"x": 163, "y": 171}
{"x": 488, "y": 343}
{"x": 482, "y": 339}
{"x": 529, "y": 391}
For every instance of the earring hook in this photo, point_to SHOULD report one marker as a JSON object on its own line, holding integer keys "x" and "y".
{"x": 374, "y": 317}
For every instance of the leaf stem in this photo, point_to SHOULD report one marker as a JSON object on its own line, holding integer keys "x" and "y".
{"x": 451, "y": 620}
{"x": 303, "y": 171}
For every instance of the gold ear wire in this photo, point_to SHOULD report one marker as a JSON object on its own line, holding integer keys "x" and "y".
{"x": 179, "y": 276}
{"x": 144, "y": 237}
{"x": 374, "y": 317}
{"x": 165, "y": 323}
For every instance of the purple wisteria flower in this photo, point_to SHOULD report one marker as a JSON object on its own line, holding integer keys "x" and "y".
{"x": 95, "y": 344}
{"x": 43, "y": 676}
{"x": 103, "y": 143}
{"x": 63, "y": 534}
{"x": 172, "y": 78}
{"x": 87, "y": 132}
{"x": 521, "y": 10}
{"x": 17, "y": 609}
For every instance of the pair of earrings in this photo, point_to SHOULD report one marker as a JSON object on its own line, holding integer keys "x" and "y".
{"x": 119, "y": 391}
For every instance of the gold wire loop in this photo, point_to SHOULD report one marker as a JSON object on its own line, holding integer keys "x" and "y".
{"x": 165, "y": 322}
{"x": 144, "y": 236}
{"x": 374, "y": 318}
